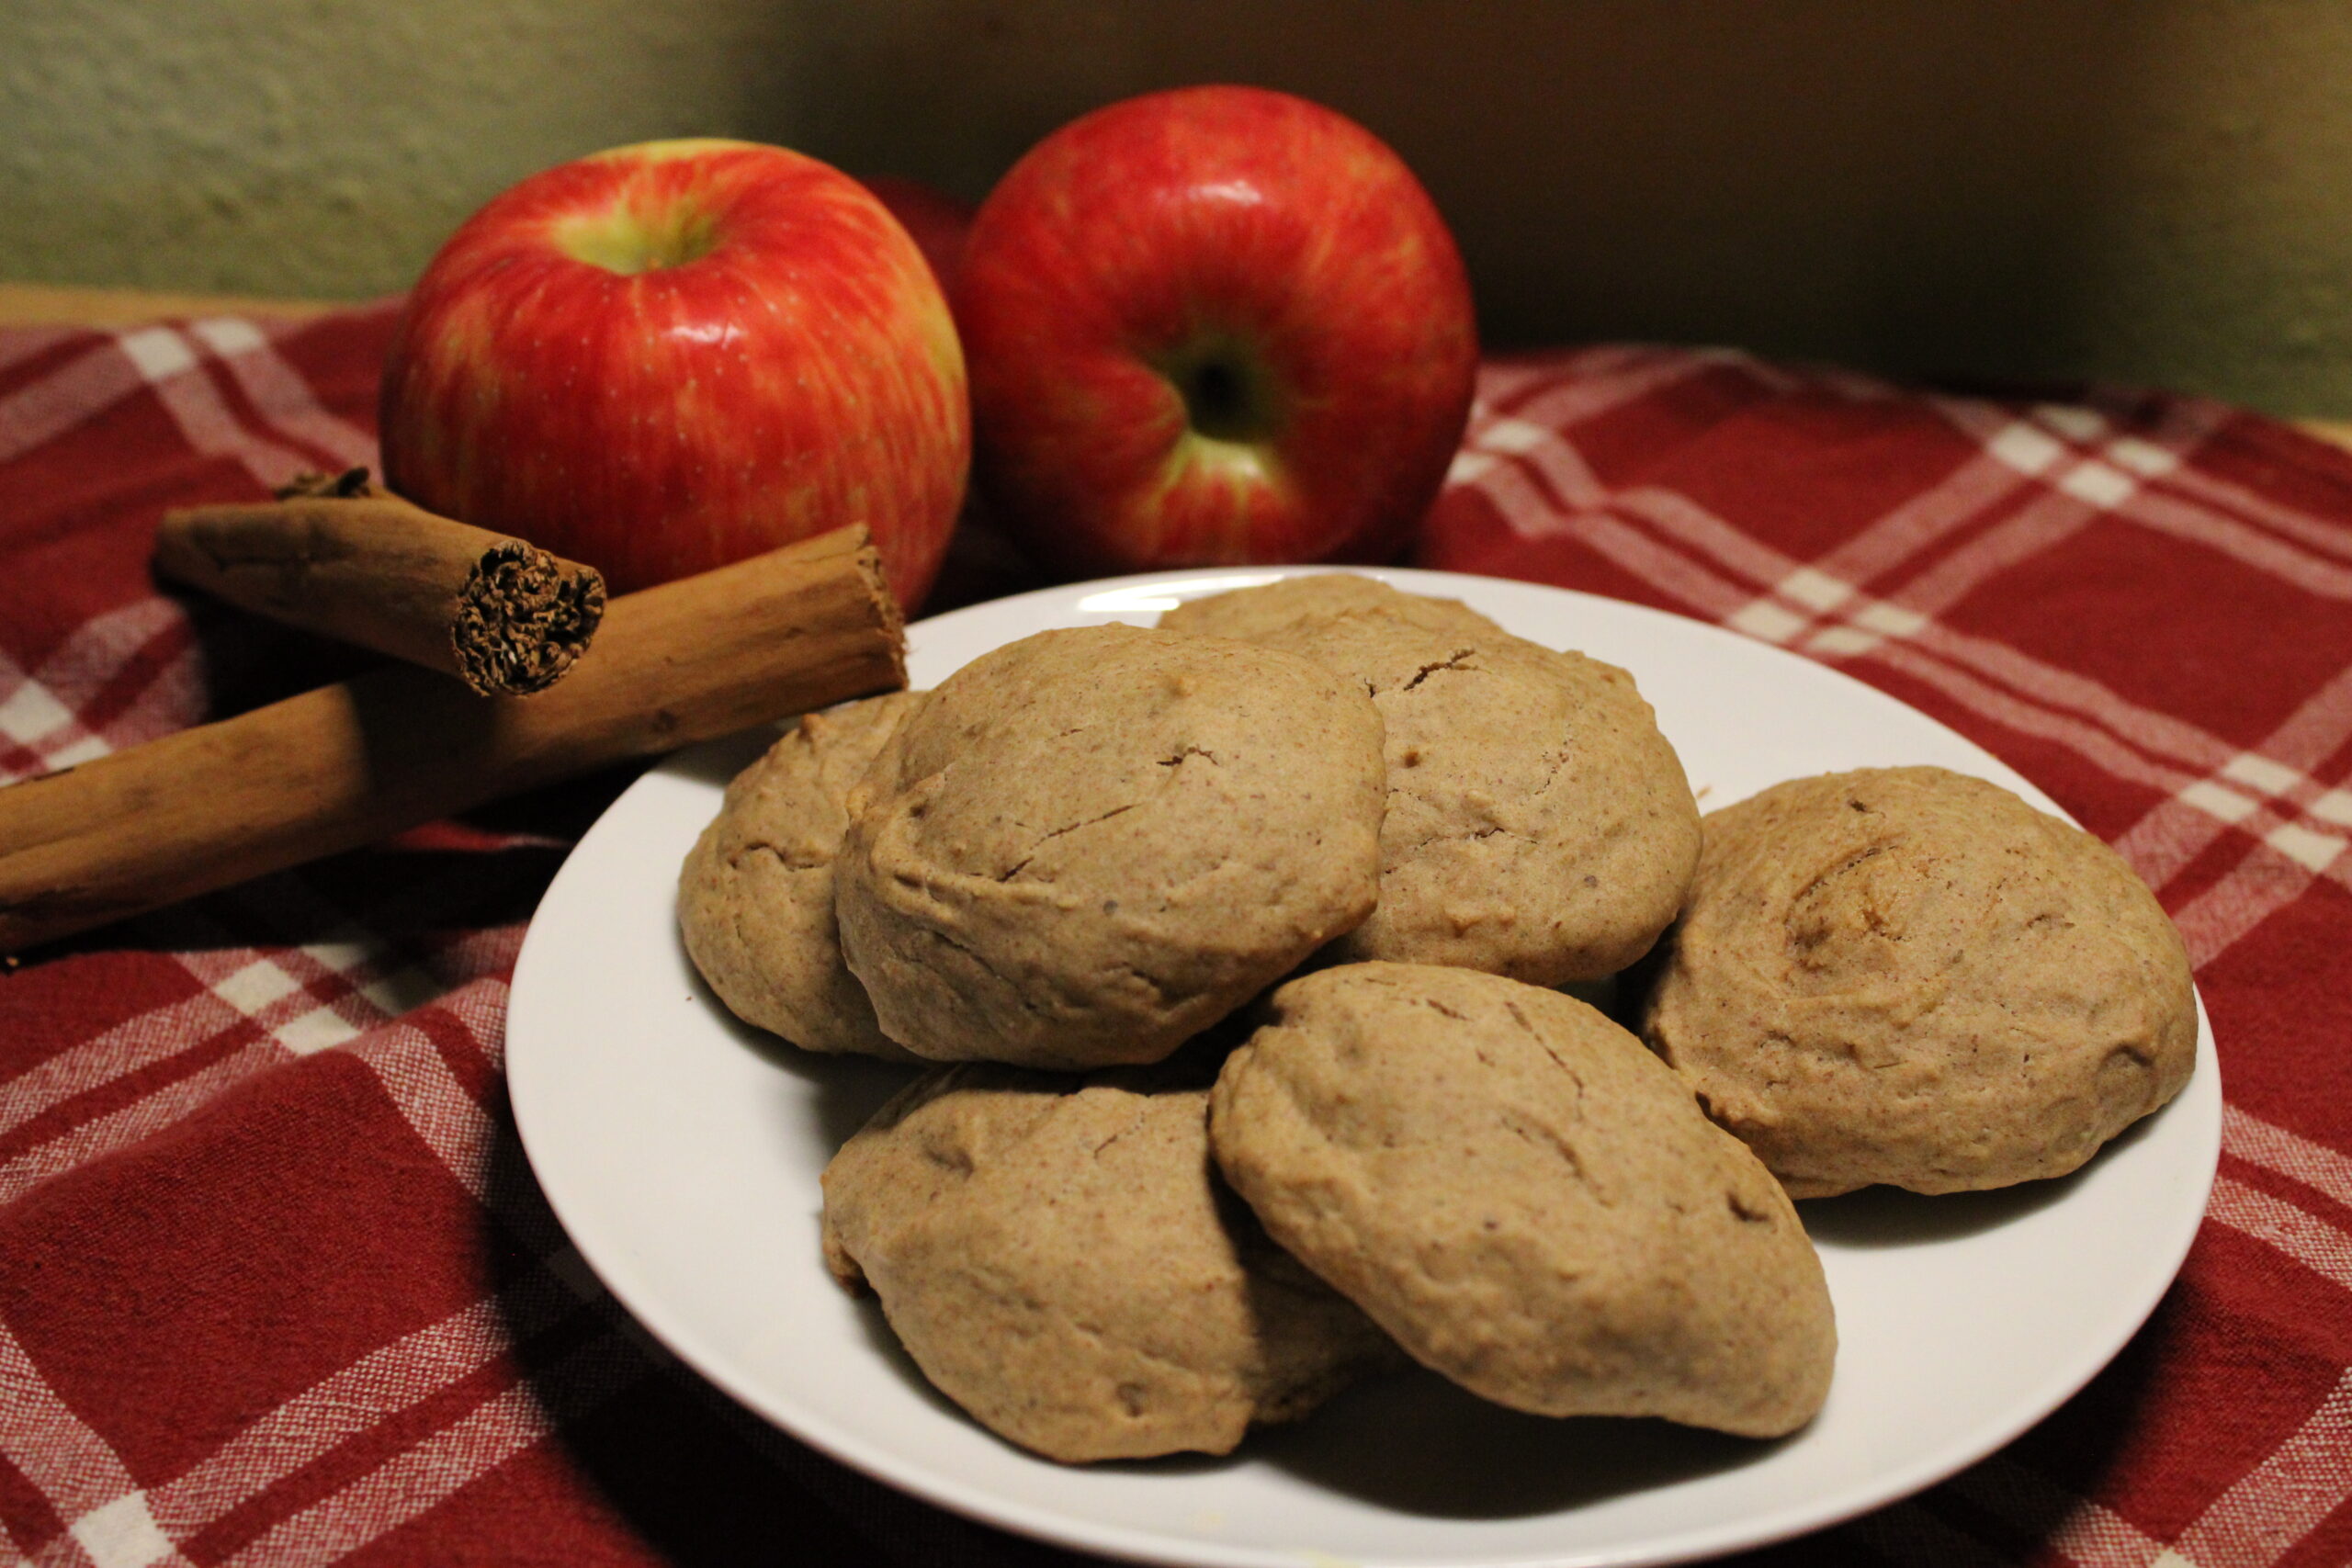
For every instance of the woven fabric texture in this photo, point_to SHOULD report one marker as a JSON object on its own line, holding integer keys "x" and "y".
{"x": 277, "y": 1286}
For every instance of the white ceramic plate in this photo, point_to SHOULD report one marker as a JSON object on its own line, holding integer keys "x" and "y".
{"x": 681, "y": 1150}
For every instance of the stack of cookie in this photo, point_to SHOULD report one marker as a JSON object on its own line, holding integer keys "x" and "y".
{"x": 1244, "y": 934}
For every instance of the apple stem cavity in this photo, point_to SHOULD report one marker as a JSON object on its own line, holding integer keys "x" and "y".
{"x": 1227, "y": 393}
{"x": 627, "y": 241}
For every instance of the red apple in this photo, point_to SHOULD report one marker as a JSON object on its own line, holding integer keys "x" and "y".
{"x": 670, "y": 357}
{"x": 981, "y": 562}
{"x": 1218, "y": 324}
{"x": 938, "y": 222}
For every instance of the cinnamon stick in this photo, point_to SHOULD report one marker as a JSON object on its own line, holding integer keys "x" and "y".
{"x": 795, "y": 629}
{"x": 337, "y": 558}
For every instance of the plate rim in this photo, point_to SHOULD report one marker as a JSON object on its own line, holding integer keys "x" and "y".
{"x": 926, "y": 1482}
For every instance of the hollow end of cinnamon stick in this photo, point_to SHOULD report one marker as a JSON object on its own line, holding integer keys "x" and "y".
{"x": 522, "y": 619}
{"x": 500, "y": 615}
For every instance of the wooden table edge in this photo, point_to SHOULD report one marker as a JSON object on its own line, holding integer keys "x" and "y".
{"x": 64, "y": 305}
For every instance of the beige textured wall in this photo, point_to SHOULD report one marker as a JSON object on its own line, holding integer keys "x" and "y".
{"x": 2148, "y": 190}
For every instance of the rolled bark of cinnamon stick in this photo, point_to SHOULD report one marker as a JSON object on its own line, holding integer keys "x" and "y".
{"x": 502, "y": 615}
{"x": 783, "y": 633}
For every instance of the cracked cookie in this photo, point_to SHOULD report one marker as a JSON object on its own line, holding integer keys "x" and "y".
{"x": 1539, "y": 825}
{"x": 1060, "y": 1260}
{"x": 1909, "y": 975}
{"x": 1525, "y": 1199}
{"x": 1092, "y": 843}
{"x": 755, "y": 897}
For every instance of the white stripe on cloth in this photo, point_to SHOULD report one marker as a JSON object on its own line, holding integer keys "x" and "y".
{"x": 115, "y": 1523}
{"x": 1604, "y": 364}
{"x": 138, "y": 1041}
{"x": 123, "y": 1534}
{"x": 1688, "y": 524}
{"x": 362, "y": 1396}
{"x": 41, "y": 711}
{"x": 128, "y": 1125}
{"x": 1695, "y": 585}
{"x": 273, "y": 986}
{"x": 2038, "y": 526}
{"x": 2284, "y": 1498}
{"x": 2203, "y": 515}
{"x": 280, "y": 393}
{"x": 191, "y": 1022}
{"x": 2263, "y": 882}
{"x": 2269, "y": 1510}
{"x": 30, "y": 715}
{"x": 2316, "y": 533}
{"x": 468, "y": 982}
{"x": 76, "y": 392}
{"x": 2078, "y": 424}
{"x": 2226, "y": 536}
{"x": 2301, "y": 1236}
{"x": 2087, "y": 740}
{"x": 1988, "y": 479}
{"x": 427, "y": 1474}
{"x": 1562, "y": 469}
{"x": 2288, "y": 854}
{"x": 1512, "y": 489}
{"x": 76, "y": 1471}
{"x": 162, "y": 355}
{"x": 1771, "y": 621}
{"x": 2175, "y": 832}
{"x": 1867, "y": 621}
{"x": 1595, "y": 389}
{"x": 2158, "y": 733}
{"x": 2316, "y": 1166}
{"x": 1814, "y": 589}
{"x": 2026, "y": 449}
{"x": 2170, "y": 837}
{"x": 417, "y": 1078}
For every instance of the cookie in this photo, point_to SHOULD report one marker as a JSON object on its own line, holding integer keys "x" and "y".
{"x": 1249, "y": 615}
{"x": 1539, "y": 825}
{"x": 1525, "y": 1199}
{"x": 1909, "y": 975}
{"x": 755, "y": 898}
{"x": 1059, "y": 1260}
{"x": 1091, "y": 844}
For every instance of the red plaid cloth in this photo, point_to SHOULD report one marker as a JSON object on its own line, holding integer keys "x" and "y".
{"x": 276, "y": 1286}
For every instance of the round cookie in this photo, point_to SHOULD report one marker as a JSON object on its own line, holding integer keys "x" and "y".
{"x": 1539, "y": 825}
{"x": 1059, "y": 1259}
{"x": 1091, "y": 844}
{"x": 755, "y": 896}
{"x": 1526, "y": 1199}
{"x": 1909, "y": 975}
{"x": 1249, "y": 615}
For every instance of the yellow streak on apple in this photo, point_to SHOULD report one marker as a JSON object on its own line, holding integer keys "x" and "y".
{"x": 625, "y": 240}
{"x": 665, "y": 149}
{"x": 1238, "y": 467}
